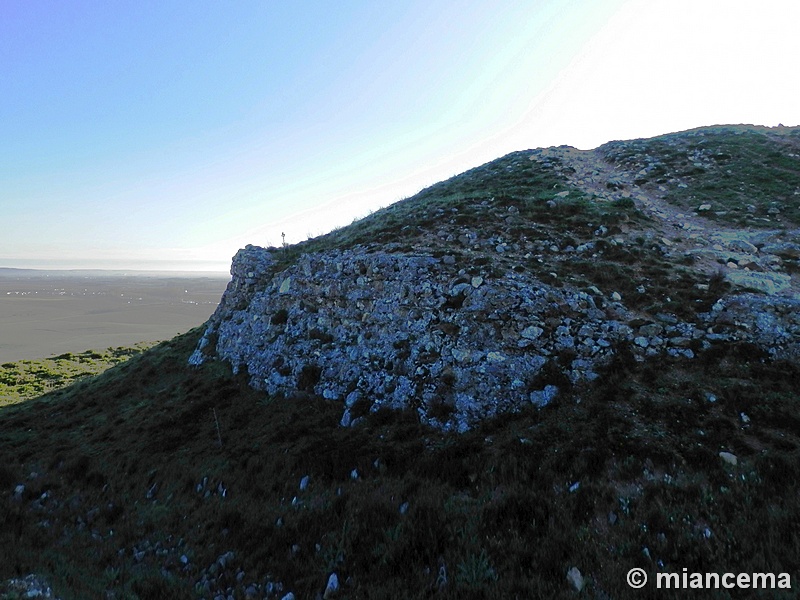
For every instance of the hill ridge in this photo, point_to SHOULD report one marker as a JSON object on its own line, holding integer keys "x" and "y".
{"x": 486, "y": 303}
{"x": 159, "y": 479}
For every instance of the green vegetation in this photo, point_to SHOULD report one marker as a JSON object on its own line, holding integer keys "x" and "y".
{"x": 130, "y": 473}
{"x": 25, "y": 379}
{"x": 154, "y": 479}
{"x": 749, "y": 176}
{"x": 460, "y": 200}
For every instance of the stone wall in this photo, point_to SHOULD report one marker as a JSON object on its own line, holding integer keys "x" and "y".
{"x": 375, "y": 329}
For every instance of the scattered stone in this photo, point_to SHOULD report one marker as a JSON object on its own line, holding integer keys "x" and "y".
{"x": 742, "y": 246}
{"x": 729, "y": 458}
{"x": 651, "y": 329}
{"x": 544, "y": 397}
{"x": 332, "y": 588}
{"x": 400, "y": 333}
{"x": 304, "y": 482}
{"x": 575, "y": 579}
{"x": 703, "y": 207}
{"x": 31, "y": 586}
{"x": 784, "y": 249}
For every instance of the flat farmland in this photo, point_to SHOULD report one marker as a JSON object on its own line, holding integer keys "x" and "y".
{"x": 46, "y": 313}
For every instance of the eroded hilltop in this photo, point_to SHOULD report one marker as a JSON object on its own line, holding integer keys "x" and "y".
{"x": 501, "y": 286}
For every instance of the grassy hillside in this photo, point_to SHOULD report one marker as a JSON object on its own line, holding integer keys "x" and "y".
{"x": 750, "y": 176}
{"x": 154, "y": 479}
{"x": 24, "y": 379}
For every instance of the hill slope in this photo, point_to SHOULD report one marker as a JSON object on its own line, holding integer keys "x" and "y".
{"x": 675, "y": 446}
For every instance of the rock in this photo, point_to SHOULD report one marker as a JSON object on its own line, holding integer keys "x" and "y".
{"x": 729, "y": 458}
{"x": 650, "y": 330}
{"x": 495, "y": 357}
{"x": 460, "y": 288}
{"x": 703, "y": 207}
{"x": 769, "y": 283}
{"x": 461, "y": 356}
{"x": 289, "y": 596}
{"x": 449, "y": 259}
{"x": 784, "y": 249}
{"x": 401, "y": 331}
{"x": 544, "y": 397}
{"x": 332, "y": 588}
{"x": 750, "y": 265}
{"x": 575, "y": 579}
{"x": 31, "y": 586}
{"x": 532, "y": 332}
{"x": 304, "y": 482}
{"x": 742, "y": 246}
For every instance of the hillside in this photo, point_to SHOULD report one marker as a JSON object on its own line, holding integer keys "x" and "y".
{"x": 521, "y": 382}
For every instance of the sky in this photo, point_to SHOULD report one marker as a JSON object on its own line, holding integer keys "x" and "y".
{"x": 170, "y": 133}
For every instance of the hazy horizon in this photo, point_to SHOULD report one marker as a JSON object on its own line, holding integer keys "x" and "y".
{"x": 176, "y": 133}
{"x": 164, "y": 266}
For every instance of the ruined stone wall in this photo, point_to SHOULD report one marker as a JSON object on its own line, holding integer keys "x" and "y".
{"x": 374, "y": 329}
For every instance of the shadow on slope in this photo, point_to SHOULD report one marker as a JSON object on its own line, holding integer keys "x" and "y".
{"x": 129, "y": 492}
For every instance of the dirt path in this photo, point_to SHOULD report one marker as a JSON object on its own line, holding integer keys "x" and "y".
{"x": 737, "y": 251}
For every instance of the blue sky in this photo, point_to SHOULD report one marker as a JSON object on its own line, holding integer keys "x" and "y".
{"x": 147, "y": 134}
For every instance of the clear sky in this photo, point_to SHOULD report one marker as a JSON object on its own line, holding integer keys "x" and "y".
{"x": 146, "y": 133}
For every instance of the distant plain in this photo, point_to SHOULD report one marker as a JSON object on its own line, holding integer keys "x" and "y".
{"x": 46, "y": 313}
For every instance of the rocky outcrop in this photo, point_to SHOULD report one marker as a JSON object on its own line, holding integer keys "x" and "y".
{"x": 455, "y": 342}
